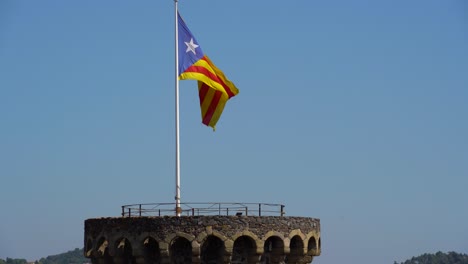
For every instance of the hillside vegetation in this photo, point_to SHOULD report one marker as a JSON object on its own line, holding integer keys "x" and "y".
{"x": 438, "y": 258}
{"x": 70, "y": 257}
{"x": 13, "y": 261}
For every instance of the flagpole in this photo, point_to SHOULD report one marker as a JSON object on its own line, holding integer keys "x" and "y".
{"x": 177, "y": 169}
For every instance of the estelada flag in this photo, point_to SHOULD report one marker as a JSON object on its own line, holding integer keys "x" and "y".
{"x": 214, "y": 88}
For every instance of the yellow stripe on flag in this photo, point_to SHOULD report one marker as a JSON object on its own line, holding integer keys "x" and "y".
{"x": 207, "y": 101}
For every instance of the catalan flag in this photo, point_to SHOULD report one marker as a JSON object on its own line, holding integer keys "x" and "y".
{"x": 214, "y": 88}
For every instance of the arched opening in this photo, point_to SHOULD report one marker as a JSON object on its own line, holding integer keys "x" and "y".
{"x": 273, "y": 251}
{"x": 124, "y": 252}
{"x": 312, "y": 244}
{"x": 102, "y": 250}
{"x": 152, "y": 253}
{"x": 296, "y": 247}
{"x": 88, "y": 250}
{"x": 212, "y": 251}
{"x": 181, "y": 251}
{"x": 244, "y": 249}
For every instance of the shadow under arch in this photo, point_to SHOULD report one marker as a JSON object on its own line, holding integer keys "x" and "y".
{"x": 181, "y": 251}
{"x": 213, "y": 250}
{"x": 296, "y": 247}
{"x": 102, "y": 250}
{"x": 88, "y": 250}
{"x": 152, "y": 254}
{"x": 124, "y": 252}
{"x": 312, "y": 246}
{"x": 273, "y": 250}
{"x": 244, "y": 250}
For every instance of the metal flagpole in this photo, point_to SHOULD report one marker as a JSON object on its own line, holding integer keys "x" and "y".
{"x": 177, "y": 196}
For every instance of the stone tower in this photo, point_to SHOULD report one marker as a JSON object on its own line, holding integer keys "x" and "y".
{"x": 210, "y": 233}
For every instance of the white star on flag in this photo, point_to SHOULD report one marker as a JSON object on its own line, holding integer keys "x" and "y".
{"x": 191, "y": 46}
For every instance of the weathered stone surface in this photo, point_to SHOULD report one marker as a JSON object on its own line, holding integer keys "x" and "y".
{"x": 267, "y": 238}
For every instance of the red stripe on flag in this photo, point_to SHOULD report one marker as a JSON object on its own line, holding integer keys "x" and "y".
{"x": 212, "y": 108}
{"x": 214, "y": 77}
{"x": 202, "y": 92}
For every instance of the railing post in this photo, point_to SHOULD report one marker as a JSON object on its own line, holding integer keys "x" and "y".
{"x": 193, "y": 211}
{"x": 259, "y": 209}
{"x": 219, "y": 209}
{"x": 246, "y": 211}
{"x": 123, "y": 211}
{"x": 282, "y": 210}
{"x": 139, "y": 210}
{"x": 227, "y": 211}
{"x": 129, "y": 212}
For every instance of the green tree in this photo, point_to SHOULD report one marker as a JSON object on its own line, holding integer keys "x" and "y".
{"x": 16, "y": 261}
{"x": 71, "y": 257}
{"x": 438, "y": 258}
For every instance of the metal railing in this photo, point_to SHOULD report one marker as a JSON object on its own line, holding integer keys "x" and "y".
{"x": 200, "y": 209}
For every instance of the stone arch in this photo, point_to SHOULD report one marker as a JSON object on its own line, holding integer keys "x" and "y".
{"x": 296, "y": 232}
{"x": 254, "y": 237}
{"x": 181, "y": 251}
{"x": 171, "y": 237}
{"x": 273, "y": 233}
{"x": 203, "y": 235}
{"x": 123, "y": 252}
{"x": 151, "y": 251}
{"x": 244, "y": 250}
{"x": 213, "y": 250}
{"x": 312, "y": 249}
{"x": 88, "y": 250}
{"x": 296, "y": 249}
{"x": 312, "y": 243}
{"x": 219, "y": 235}
{"x": 245, "y": 233}
{"x": 311, "y": 234}
{"x": 102, "y": 247}
{"x": 273, "y": 250}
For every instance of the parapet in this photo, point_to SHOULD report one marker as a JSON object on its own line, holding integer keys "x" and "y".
{"x": 202, "y": 239}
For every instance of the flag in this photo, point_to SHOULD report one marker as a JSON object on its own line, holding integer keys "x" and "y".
{"x": 214, "y": 89}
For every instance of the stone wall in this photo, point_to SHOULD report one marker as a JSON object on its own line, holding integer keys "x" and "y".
{"x": 202, "y": 239}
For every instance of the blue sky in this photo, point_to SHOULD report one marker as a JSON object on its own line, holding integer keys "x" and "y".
{"x": 354, "y": 112}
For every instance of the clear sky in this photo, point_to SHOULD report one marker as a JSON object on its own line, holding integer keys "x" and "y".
{"x": 354, "y": 112}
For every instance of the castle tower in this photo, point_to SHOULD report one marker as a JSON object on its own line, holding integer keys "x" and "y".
{"x": 210, "y": 233}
